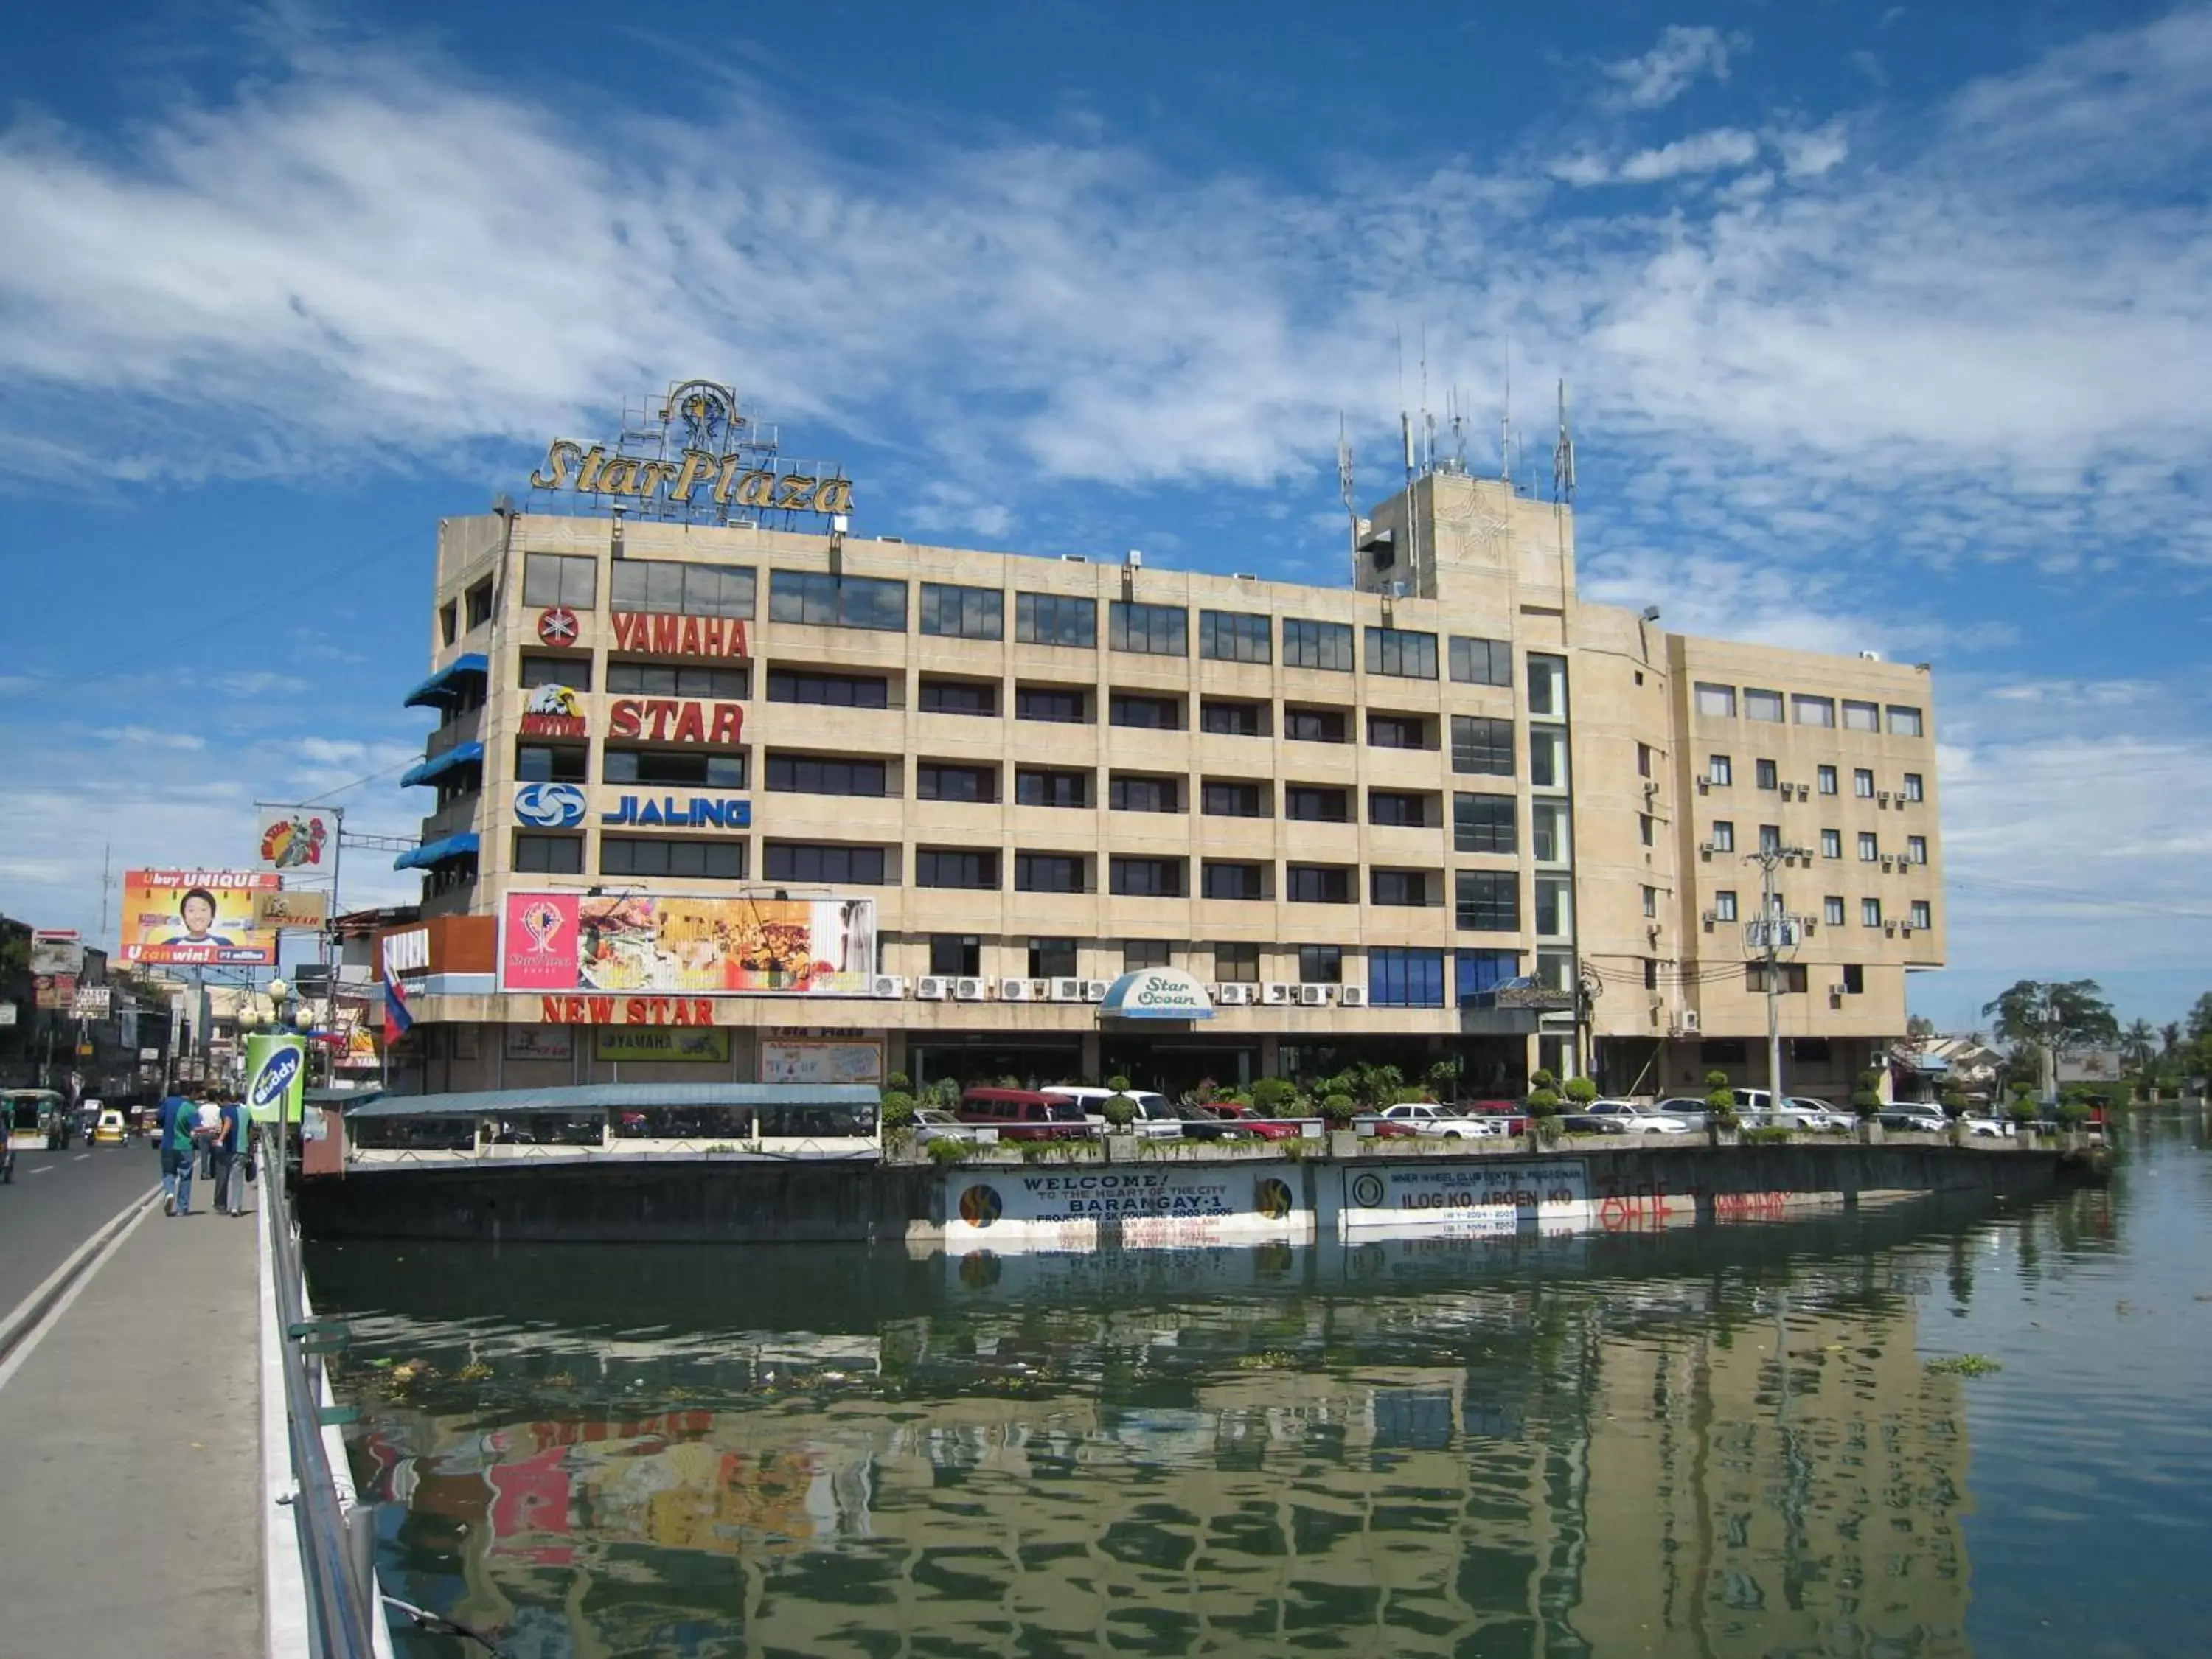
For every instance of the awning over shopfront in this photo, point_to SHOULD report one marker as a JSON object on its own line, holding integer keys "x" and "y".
{"x": 462, "y": 846}
{"x": 445, "y": 685}
{"x": 615, "y": 1096}
{"x": 429, "y": 771}
{"x": 1156, "y": 993}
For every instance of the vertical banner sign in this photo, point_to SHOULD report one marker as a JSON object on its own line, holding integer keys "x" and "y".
{"x": 275, "y": 1076}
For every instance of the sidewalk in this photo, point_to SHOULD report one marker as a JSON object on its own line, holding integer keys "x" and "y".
{"x": 131, "y": 1482}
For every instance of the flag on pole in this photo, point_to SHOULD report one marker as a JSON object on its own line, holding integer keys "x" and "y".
{"x": 398, "y": 1022}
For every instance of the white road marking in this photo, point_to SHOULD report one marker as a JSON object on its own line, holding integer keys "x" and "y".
{"x": 37, "y": 1334}
{"x": 44, "y": 1168}
{"x": 81, "y": 1157}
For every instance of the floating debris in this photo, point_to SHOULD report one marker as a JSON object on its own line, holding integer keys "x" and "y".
{"x": 1963, "y": 1365}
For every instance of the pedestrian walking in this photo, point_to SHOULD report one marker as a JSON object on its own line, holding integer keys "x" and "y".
{"x": 230, "y": 1153}
{"x": 188, "y": 1138}
{"x": 173, "y": 1107}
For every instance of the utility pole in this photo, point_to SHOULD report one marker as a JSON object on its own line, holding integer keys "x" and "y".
{"x": 1774, "y": 930}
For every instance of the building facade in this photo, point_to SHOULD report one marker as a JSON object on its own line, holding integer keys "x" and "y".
{"x": 1448, "y": 811}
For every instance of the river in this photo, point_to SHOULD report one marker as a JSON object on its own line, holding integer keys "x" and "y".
{"x": 1718, "y": 1442}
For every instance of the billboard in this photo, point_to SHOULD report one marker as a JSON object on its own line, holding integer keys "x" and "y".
{"x": 90, "y": 1002}
{"x": 278, "y": 908}
{"x": 695, "y": 943}
{"x": 275, "y": 1075}
{"x": 55, "y": 993}
{"x": 180, "y": 918}
{"x": 709, "y": 1044}
{"x": 57, "y": 950}
{"x": 303, "y": 838}
{"x": 821, "y": 1062}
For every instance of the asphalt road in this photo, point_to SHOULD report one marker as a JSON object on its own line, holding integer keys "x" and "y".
{"x": 58, "y": 1200}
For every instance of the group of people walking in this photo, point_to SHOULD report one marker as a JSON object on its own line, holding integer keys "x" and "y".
{"x": 203, "y": 1128}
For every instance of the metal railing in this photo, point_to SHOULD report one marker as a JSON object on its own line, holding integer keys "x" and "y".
{"x": 335, "y": 1553}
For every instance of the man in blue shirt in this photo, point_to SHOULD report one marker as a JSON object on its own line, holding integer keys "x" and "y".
{"x": 164, "y": 1134}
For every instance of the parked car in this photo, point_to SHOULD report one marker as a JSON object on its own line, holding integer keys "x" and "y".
{"x": 1975, "y": 1123}
{"x": 1803, "y": 1112}
{"x": 1625, "y": 1117}
{"x": 1691, "y": 1109}
{"x": 1512, "y": 1117}
{"x": 1439, "y": 1121}
{"x": 1023, "y": 1115}
{"x": 1914, "y": 1120}
{"x": 1250, "y": 1119}
{"x": 1156, "y": 1120}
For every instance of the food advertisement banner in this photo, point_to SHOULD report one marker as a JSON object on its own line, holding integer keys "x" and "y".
{"x": 707, "y": 1043}
{"x": 180, "y": 918}
{"x": 822, "y": 1062}
{"x": 694, "y": 943}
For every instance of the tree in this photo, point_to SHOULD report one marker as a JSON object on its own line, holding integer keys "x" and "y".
{"x": 2046, "y": 1019}
{"x": 2200, "y": 1019}
{"x": 2139, "y": 1044}
{"x": 1920, "y": 1025}
{"x": 2169, "y": 1037}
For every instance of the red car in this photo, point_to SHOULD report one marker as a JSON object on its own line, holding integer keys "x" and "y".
{"x": 1024, "y": 1115}
{"x": 1515, "y": 1115}
{"x": 1248, "y": 1119}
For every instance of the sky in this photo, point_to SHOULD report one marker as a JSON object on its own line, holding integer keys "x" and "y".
{"x": 1887, "y": 328}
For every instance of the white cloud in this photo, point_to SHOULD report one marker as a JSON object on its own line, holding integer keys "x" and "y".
{"x": 1807, "y": 155}
{"x": 1702, "y": 152}
{"x": 145, "y": 737}
{"x": 1681, "y": 56}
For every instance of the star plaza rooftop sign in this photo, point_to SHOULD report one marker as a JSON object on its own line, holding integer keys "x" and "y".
{"x": 694, "y": 455}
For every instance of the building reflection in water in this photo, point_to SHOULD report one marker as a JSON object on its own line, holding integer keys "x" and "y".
{"x": 1742, "y": 1464}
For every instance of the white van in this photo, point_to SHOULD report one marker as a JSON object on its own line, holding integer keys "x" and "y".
{"x": 1155, "y": 1119}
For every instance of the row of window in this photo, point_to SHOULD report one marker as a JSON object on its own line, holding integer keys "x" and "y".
{"x": 1831, "y": 843}
{"x": 1720, "y": 774}
{"x": 1396, "y": 978}
{"x": 1720, "y": 703}
{"x": 1833, "y": 910}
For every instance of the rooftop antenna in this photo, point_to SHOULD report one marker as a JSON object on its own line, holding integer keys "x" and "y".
{"x": 1458, "y": 434}
{"x": 1505, "y": 422}
{"x": 1428, "y": 419}
{"x": 1563, "y": 454}
{"x": 1344, "y": 488}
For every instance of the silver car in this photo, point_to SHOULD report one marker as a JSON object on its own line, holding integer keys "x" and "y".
{"x": 1690, "y": 1110}
{"x": 1626, "y": 1117}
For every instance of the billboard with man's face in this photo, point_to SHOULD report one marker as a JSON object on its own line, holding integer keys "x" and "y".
{"x": 183, "y": 918}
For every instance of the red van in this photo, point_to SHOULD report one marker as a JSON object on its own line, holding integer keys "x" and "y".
{"x": 1024, "y": 1115}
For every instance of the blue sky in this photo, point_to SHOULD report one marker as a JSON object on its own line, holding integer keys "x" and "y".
{"x": 1887, "y": 328}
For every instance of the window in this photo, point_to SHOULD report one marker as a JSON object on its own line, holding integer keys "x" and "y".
{"x": 1549, "y": 832}
{"x": 1405, "y": 979}
{"x": 1145, "y": 877}
{"x": 551, "y": 762}
{"x": 1854, "y": 979}
{"x": 1724, "y": 905}
{"x": 1235, "y": 636}
{"x": 1555, "y": 907}
{"x": 822, "y": 600}
{"x": 1831, "y": 910}
{"x": 1643, "y": 760}
{"x": 570, "y": 579}
{"x": 1861, "y": 716}
{"x": 825, "y": 775}
{"x": 1651, "y": 900}
{"x": 1314, "y": 724}
{"x": 1761, "y": 705}
{"x": 810, "y": 861}
{"x": 681, "y": 589}
{"x": 1870, "y": 846}
{"x": 646, "y": 855}
{"x": 1316, "y": 805}
{"x": 1144, "y": 953}
{"x": 1827, "y": 777}
{"x": 1789, "y": 978}
{"x": 1644, "y": 830}
{"x": 1397, "y": 732}
{"x": 449, "y": 622}
{"x": 1483, "y": 823}
{"x": 1904, "y": 722}
{"x": 1045, "y": 702}
{"x": 548, "y": 855}
{"x": 973, "y": 697}
{"x": 838, "y": 691}
{"x": 1052, "y": 958}
{"x": 667, "y": 680}
{"x": 1398, "y": 888}
{"x": 1651, "y": 974}
{"x": 955, "y": 956}
{"x": 1035, "y": 787}
{"x": 1723, "y": 836}
{"x": 1720, "y": 772}
{"x": 1221, "y": 799}
{"x": 1156, "y": 630}
{"x": 1317, "y": 884}
{"x": 1320, "y": 964}
{"x": 1047, "y": 872}
{"x": 1718, "y": 700}
{"x": 1401, "y": 652}
{"x": 1769, "y": 837}
{"x": 1832, "y": 843}
{"x": 1481, "y": 662}
{"x": 1223, "y": 878}
{"x": 1869, "y": 913}
{"x": 1224, "y": 718}
{"x": 1921, "y": 916}
{"x": 1398, "y": 809}
{"x": 1547, "y": 686}
{"x": 1128, "y": 792}
{"x": 1915, "y": 849}
{"x": 1237, "y": 964}
{"x": 964, "y": 613}
{"x": 1548, "y": 757}
{"x": 1482, "y": 745}
{"x": 1863, "y": 784}
{"x": 1813, "y": 711}
{"x": 1914, "y": 788}
{"x": 1768, "y": 773}
{"x": 679, "y": 767}
{"x": 1156, "y": 713}
{"x": 1481, "y": 972}
{"x": 939, "y": 868}
{"x": 478, "y": 600}
{"x": 1055, "y": 619}
{"x": 1324, "y": 645}
{"x": 940, "y": 780}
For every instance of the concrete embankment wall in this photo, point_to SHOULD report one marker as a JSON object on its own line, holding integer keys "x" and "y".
{"x": 1254, "y": 1195}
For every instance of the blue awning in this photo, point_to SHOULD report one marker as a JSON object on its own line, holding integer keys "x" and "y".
{"x": 462, "y": 846}
{"x": 444, "y": 686}
{"x": 604, "y": 1096}
{"x": 429, "y": 771}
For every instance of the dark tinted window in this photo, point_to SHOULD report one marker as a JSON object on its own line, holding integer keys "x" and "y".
{"x": 1481, "y": 662}
{"x": 1233, "y": 719}
{"x": 1157, "y": 630}
{"x": 1035, "y": 786}
{"x": 1131, "y": 792}
{"x": 1234, "y": 800}
{"x": 959, "y": 696}
{"x": 1225, "y": 879}
{"x": 1146, "y": 878}
{"x": 967, "y": 613}
{"x": 1047, "y": 872}
{"x": 1402, "y": 653}
{"x": 1234, "y": 636}
{"x": 1039, "y": 702}
{"x": 690, "y": 589}
{"x": 1162, "y": 714}
{"x": 822, "y": 600}
{"x": 1488, "y": 901}
{"x": 574, "y": 671}
{"x": 1397, "y": 808}
{"x": 1316, "y": 804}
{"x": 789, "y": 860}
{"x": 1482, "y": 745}
{"x": 825, "y": 775}
{"x": 1397, "y": 732}
{"x": 1320, "y": 964}
{"x": 641, "y": 855}
{"x": 1483, "y": 823}
{"x": 654, "y": 679}
{"x": 1055, "y": 619}
{"x": 936, "y": 868}
{"x": 1314, "y": 724}
{"x": 936, "y": 780}
{"x": 1398, "y": 888}
{"x": 554, "y": 856}
{"x": 1317, "y": 644}
{"x": 1317, "y": 884}
{"x": 551, "y": 762}
{"x": 672, "y": 766}
{"x": 839, "y": 691}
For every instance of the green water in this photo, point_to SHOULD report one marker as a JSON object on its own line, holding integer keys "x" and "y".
{"x": 1725, "y": 1441}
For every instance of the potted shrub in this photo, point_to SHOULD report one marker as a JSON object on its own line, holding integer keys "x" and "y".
{"x": 1543, "y": 1110}
{"x": 1866, "y": 1101}
{"x": 896, "y": 1110}
{"x": 1720, "y": 1108}
{"x": 1271, "y": 1096}
{"x": 1579, "y": 1091}
{"x": 1338, "y": 1110}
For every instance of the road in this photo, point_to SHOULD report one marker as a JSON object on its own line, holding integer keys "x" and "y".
{"x": 58, "y": 1200}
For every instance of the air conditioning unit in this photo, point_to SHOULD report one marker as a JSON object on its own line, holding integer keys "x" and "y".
{"x": 1838, "y": 990}
{"x": 932, "y": 988}
{"x": 1276, "y": 995}
{"x": 1687, "y": 1019}
{"x": 1094, "y": 990}
{"x": 1906, "y": 931}
{"x": 889, "y": 985}
{"x": 971, "y": 990}
{"x": 1890, "y": 928}
{"x": 1709, "y": 917}
{"x": 1705, "y": 786}
{"x": 1067, "y": 990}
{"x": 1233, "y": 996}
{"x": 1811, "y": 927}
{"x": 1352, "y": 996}
{"x": 1804, "y": 792}
{"x": 1882, "y": 797}
{"x": 1014, "y": 990}
{"x": 1704, "y": 849}
{"x": 1888, "y": 863}
{"x": 1313, "y": 996}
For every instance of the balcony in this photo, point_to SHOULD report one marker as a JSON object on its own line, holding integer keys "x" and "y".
{"x": 468, "y": 728}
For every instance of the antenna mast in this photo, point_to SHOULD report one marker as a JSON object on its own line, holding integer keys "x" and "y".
{"x": 1344, "y": 488}
{"x": 1563, "y": 454}
{"x": 1505, "y": 422}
